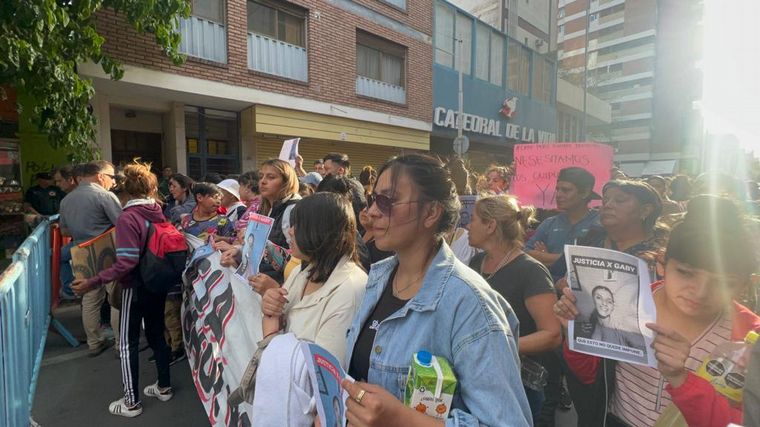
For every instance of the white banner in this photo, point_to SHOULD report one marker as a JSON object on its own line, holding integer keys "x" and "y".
{"x": 221, "y": 324}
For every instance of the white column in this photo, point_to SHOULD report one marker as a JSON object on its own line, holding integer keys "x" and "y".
{"x": 102, "y": 113}
{"x": 175, "y": 146}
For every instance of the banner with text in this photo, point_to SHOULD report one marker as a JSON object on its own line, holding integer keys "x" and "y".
{"x": 537, "y": 167}
{"x": 221, "y": 324}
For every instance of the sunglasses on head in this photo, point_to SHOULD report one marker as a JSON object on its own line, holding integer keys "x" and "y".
{"x": 384, "y": 203}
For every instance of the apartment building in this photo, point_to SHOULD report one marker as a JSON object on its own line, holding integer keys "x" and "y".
{"x": 350, "y": 76}
{"x": 640, "y": 57}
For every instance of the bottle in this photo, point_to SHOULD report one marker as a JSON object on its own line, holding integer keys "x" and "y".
{"x": 726, "y": 367}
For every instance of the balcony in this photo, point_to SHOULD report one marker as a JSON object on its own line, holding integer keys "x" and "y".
{"x": 203, "y": 39}
{"x": 272, "y": 56}
{"x": 380, "y": 90}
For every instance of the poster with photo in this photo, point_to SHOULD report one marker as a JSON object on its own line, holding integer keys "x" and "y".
{"x": 326, "y": 374}
{"x": 614, "y": 302}
{"x": 465, "y": 213}
{"x": 256, "y": 235}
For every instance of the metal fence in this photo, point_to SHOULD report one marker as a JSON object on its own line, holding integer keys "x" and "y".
{"x": 24, "y": 320}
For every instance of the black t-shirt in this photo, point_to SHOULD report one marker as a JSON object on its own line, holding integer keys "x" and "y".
{"x": 376, "y": 254}
{"x": 46, "y": 201}
{"x": 388, "y": 304}
{"x": 517, "y": 281}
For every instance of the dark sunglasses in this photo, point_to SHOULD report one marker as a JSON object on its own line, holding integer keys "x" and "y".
{"x": 384, "y": 203}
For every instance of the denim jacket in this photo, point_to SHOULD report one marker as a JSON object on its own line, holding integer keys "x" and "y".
{"x": 455, "y": 315}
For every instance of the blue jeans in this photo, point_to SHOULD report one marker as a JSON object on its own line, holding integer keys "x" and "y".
{"x": 535, "y": 400}
{"x": 66, "y": 274}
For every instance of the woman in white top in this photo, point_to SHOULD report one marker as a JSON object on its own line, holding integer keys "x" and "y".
{"x": 320, "y": 298}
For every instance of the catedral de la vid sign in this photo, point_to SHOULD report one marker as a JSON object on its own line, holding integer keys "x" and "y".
{"x": 449, "y": 118}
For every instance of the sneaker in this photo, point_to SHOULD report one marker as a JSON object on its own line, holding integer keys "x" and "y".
{"x": 120, "y": 408}
{"x": 154, "y": 390}
{"x": 177, "y": 356}
{"x": 103, "y": 346}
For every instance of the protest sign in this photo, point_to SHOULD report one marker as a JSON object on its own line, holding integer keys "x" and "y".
{"x": 326, "y": 374}
{"x": 289, "y": 151}
{"x": 221, "y": 324}
{"x": 465, "y": 213}
{"x": 614, "y": 302}
{"x": 537, "y": 167}
{"x": 256, "y": 235}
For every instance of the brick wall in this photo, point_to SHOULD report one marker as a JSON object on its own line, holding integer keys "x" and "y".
{"x": 331, "y": 44}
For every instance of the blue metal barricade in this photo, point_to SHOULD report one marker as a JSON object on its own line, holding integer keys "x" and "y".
{"x": 24, "y": 320}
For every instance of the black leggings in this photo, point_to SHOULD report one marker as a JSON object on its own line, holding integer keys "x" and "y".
{"x": 138, "y": 304}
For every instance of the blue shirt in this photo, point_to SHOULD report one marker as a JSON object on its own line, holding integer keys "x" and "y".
{"x": 455, "y": 315}
{"x": 557, "y": 231}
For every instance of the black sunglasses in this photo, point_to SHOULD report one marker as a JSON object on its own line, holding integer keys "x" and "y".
{"x": 384, "y": 203}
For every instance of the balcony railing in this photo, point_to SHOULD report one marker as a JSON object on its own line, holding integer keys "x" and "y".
{"x": 276, "y": 57}
{"x": 203, "y": 39}
{"x": 380, "y": 90}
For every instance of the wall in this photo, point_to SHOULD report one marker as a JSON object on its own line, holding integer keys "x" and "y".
{"x": 331, "y": 40}
{"x": 144, "y": 121}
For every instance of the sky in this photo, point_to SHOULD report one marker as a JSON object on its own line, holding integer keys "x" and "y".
{"x": 731, "y": 70}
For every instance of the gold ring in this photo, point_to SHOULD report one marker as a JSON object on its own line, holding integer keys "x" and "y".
{"x": 360, "y": 396}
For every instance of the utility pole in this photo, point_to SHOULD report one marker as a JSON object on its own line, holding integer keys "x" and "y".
{"x": 584, "y": 129}
{"x": 460, "y": 123}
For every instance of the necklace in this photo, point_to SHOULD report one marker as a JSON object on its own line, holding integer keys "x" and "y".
{"x": 504, "y": 261}
{"x": 397, "y": 292}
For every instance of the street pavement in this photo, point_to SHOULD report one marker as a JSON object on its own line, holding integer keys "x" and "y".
{"x": 75, "y": 390}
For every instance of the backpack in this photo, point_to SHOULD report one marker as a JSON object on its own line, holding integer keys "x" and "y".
{"x": 163, "y": 258}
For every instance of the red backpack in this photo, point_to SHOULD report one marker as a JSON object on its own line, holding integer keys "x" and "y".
{"x": 163, "y": 257}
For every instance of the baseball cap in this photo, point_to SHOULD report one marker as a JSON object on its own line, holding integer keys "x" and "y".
{"x": 581, "y": 178}
{"x": 311, "y": 178}
{"x": 232, "y": 186}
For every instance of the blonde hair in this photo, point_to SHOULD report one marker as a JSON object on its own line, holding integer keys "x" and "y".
{"x": 512, "y": 221}
{"x": 139, "y": 181}
{"x": 504, "y": 172}
{"x": 289, "y": 182}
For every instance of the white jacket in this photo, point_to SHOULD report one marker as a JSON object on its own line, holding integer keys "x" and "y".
{"x": 325, "y": 315}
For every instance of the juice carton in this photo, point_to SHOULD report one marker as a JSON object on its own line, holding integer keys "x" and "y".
{"x": 430, "y": 385}
{"x": 726, "y": 366}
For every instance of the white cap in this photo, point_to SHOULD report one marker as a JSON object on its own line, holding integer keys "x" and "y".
{"x": 232, "y": 186}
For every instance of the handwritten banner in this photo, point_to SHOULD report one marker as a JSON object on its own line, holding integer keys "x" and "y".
{"x": 537, "y": 167}
{"x": 221, "y": 324}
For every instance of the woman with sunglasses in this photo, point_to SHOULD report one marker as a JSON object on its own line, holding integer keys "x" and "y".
{"x": 423, "y": 298}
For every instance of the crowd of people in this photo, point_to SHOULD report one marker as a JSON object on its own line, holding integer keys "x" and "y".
{"x": 379, "y": 267}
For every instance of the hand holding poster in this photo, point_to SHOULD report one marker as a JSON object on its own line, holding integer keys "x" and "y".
{"x": 256, "y": 235}
{"x": 615, "y": 303}
{"x": 326, "y": 374}
{"x": 289, "y": 151}
{"x": 537, "y": 167}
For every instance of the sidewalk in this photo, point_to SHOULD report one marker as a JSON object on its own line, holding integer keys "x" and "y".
{"x": 75, "y": 390}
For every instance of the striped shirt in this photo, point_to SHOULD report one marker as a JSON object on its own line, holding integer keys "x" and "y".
{"x": 640, "y": 395}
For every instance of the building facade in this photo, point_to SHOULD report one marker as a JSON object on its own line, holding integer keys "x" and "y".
{"x": 639, "y": 56}
{"x": 350, "y": 76}
{"x": 509, "y": 90}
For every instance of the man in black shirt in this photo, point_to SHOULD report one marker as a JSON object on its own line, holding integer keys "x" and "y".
{"x": 44, "y": 198}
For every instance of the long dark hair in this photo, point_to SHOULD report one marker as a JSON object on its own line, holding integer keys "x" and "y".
{"x": 325, "y": 231}
{"x": 433, "y": 181}
{"x": 185, "y": 182}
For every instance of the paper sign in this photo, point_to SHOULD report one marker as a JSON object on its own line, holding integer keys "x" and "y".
{"x": 326, "y": 374}
{"x": 94, "y": 255}
{"x": 537, "y": 167}
{"x": 256, "y": 235}
{"x": 289, "y": 151}
{"x": 465, "y": 213}
{"x": 614, "y": 302}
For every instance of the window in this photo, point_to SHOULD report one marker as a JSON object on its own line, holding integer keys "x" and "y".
{"x": 379, "y": 59}
{"x": 497, "y": 59}
{"x": 213, "y": 143}
{"x": 284, "y": 25}
{"x": 464, "y": 49}
{"x": 444, "y": 35}
{"x": 594, "y": 17}
{"x": 561, "y": 12}
{"x": 482, "y": 47}
{"x": 562, "y": 29}
{"x": 518, "y": 67}
{"x": 543, "y": 72}
{"x": 212, "y": 10}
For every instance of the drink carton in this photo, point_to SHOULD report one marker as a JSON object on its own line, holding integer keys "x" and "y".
{"x": 430, "y": 385}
